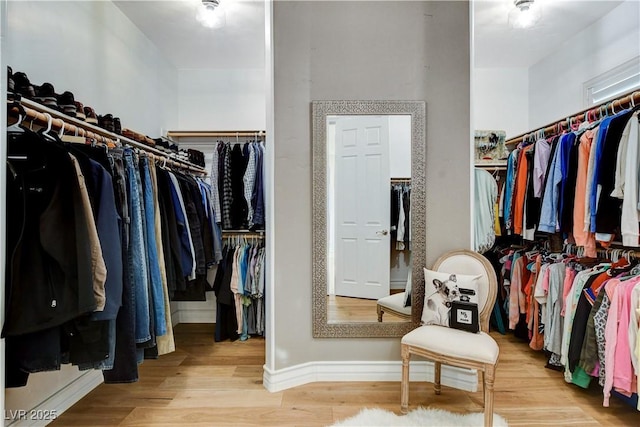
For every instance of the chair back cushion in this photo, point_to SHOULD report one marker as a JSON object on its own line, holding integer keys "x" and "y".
{"x": 471, "y": 263}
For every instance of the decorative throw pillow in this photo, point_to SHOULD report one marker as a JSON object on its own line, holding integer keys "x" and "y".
{"x": 407, "y": 291}
{"x": 441, "y": 289}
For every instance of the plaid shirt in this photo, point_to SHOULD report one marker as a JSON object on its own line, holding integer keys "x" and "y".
{"x": 215, "y": 195}
{"x": 227, "y": 194}
{"x": 249, "y": 181}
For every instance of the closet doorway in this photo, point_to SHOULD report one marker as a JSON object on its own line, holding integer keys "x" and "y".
{"x": 157, "y": 66}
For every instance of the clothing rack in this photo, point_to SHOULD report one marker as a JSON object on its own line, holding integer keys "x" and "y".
{"x": 242, "y": 232}
{"x": 590, "y": 114}
{"x": 215, "y": 134}
{"x": 45, "y": 117}
{"x": 609, "y": 253}
{"x": 401, "y": 180}
{"x": 490, "y": 167}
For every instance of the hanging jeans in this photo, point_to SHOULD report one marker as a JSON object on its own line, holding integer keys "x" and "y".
{"x": 125, "y": 368}
{"x": 157, "y": 292}
{"x": 137, "y": 253}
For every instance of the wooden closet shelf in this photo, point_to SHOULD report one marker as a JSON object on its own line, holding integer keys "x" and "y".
{"x": 43, "y": 116}
{"x": 215, "y": 134}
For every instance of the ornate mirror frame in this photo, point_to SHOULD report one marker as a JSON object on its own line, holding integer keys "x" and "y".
{"x": 320, "y": 110}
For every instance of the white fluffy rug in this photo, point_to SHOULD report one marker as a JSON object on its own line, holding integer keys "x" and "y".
{"x": 418, "y": 417}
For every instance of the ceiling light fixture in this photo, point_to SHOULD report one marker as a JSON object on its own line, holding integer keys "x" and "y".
{"x": 210, "y": 14}
{"x": 524, "y": 14}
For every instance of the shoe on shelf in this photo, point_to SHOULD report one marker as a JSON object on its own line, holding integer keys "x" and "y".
{"x": 67, "y": 104}
{"x": 117, "y": 126}
{"x": 46, "y": 95}
{"x": 11, "y": 84}
{"x": 23, "y": 86}
{"x": 80, "y": 111}
{"x": 90, "y": 115}
{"x": 106, "y": 122}
{"x": 128, "y": 133}
{"x": 162, "y": 145}
{"x": 131, "y": 134}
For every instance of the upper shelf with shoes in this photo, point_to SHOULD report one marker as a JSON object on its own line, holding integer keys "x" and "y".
{"x": 43, "y": 98}
{"x": 66, "y": 103}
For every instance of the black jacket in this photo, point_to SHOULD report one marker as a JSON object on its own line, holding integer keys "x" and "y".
{"x": 48, "y": 276}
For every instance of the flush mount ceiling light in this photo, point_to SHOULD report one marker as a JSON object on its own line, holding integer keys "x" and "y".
{"x": 210, "y": 14}
{"x": 524, "y": 14}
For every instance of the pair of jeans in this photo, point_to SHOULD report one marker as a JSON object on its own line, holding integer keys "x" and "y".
{"x": 124, "y": 367}
{"x": 137, "y": 251}
{"x": 157, "y": 292}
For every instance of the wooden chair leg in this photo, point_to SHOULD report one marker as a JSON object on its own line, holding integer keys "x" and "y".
{"x": 380, "y": 312}
{"x": 484, "y": 384}
{"x": 404, "y": 388}
{"x": 488, "y": 377}
{"x": 436, "y": 378}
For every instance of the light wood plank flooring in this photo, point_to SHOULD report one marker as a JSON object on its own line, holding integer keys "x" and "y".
{"x": 216, "y": 384}
{"x": 347, "y": 310}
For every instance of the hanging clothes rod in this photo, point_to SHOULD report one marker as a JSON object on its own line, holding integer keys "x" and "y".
{"x": 40, "y": 115}
{"x": 610, "y": 107}
{"x": 491, "y": 167}
{"x": 242, "y": 232}
{"x": 604, "y": 252}
{"x": 400, "y": 180}
{"x": 215, "y": 134}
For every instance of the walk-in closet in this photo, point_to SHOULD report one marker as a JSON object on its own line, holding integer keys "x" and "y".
{"x": 556, "y": 207}
{"x": 222, "y": 212}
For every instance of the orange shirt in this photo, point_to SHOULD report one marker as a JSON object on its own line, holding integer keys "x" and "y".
{"x": 520, "y": 190}
{"x": 582, "y": 237}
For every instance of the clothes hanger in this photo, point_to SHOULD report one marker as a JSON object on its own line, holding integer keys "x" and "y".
{"x": 61, "y": 133}
{"x": 46, "y": 133}
{"x": 16, "y": 128}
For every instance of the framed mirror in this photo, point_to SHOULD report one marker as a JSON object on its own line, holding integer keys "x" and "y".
{"x": 369, "y": 205}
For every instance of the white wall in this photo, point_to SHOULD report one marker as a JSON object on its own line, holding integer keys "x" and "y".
{"x": 93, "y": 50}
{"x": 400, "y": 146}
{"x": 501, "y": 100}
{"x": 335, "y": 50}
{"x": 222, "y": 99}
{"x": 556, "y": 82}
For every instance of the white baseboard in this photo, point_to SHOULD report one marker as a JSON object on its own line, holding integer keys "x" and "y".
{"x": 282, "y": 379}
{"x": 193, "y": 316}
{"x": 398, "y": 284}
{"x": 175, "y": 317}
{"x": 63, "y": 399}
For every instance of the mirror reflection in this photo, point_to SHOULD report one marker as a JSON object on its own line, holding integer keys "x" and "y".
{"x": 368, "y": 174}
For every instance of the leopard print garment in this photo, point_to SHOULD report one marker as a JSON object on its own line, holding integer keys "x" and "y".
{"x": 600, "y": 322}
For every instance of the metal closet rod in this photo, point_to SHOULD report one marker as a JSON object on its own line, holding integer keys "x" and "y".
{"x": 218, "y": 134}
{"x": 625, "y": 101}
{"x": 38, "y": 113}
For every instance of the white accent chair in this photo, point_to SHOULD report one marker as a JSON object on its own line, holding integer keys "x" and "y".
{"x": 393, "y": 304}
{"x": 455, "y": 347}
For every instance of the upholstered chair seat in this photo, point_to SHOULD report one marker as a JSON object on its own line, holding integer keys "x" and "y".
{"x": 393, "y": 304}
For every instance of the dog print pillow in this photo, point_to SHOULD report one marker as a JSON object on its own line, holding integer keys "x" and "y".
{"x": 441, "y": 289}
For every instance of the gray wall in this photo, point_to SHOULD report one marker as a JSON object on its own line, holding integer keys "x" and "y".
{"x": 363, "y": 50}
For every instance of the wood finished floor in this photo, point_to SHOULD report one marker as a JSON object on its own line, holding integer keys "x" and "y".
{"x": 347, "y": 310}
{"x": 220, "y": 384}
